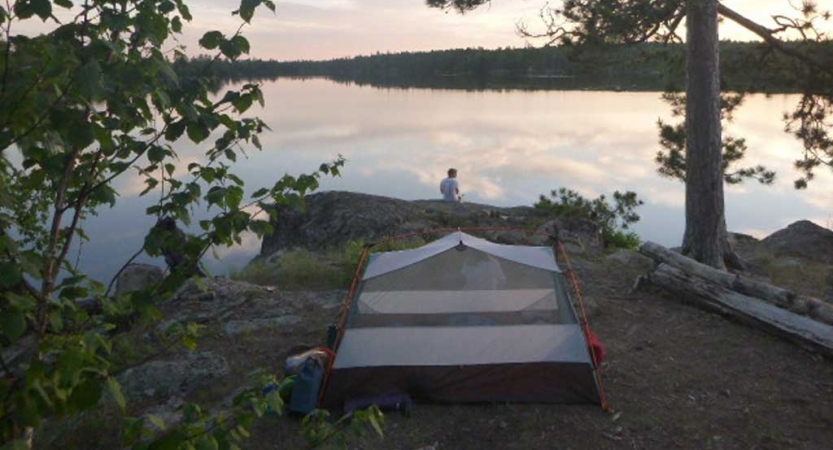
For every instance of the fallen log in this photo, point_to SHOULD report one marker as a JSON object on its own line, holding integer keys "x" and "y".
{"x": 784, "y": 298}
{"x": 809, "y": 333}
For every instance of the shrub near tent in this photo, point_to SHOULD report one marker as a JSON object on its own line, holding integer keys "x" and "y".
{"x": 463, "y": 319}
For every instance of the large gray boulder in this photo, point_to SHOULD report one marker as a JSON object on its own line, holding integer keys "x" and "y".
{"x": 235, "y": 327}
{"x": 803, "y": 239}
{"x": 138, "y": 276}
{"x": 334, "y": 218}
{"x": 631, "y": 259}
{"x": 173, "y": 377}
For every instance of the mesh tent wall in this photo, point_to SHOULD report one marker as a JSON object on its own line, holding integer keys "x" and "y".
{"x": 462, "y": 319}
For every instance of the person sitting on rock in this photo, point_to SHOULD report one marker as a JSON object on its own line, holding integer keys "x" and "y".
{"x": 450, "y": 188}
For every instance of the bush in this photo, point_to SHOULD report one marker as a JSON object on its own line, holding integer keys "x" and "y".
{"x": 613, "y": 219}
{"x": 621, "y": 239}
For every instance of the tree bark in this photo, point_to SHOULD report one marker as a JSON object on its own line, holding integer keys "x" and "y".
{"x": 705, "y": 237}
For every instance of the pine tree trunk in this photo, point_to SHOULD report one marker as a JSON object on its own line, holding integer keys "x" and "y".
{"x": 705, "y": 238}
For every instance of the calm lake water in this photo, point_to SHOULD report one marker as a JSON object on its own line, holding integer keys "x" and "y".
{"x": 509, "y": 147}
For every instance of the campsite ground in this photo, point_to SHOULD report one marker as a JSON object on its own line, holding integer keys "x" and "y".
{"x": 676, "y": 377}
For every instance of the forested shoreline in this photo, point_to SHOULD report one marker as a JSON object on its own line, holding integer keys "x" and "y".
{"x": 746, "y": 67}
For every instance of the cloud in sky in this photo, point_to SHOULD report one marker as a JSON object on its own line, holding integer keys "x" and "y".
{"x": 322, "y": 29}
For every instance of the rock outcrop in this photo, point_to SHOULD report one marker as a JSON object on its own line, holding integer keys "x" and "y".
{"x": 178, "y": 376}
{"x": 138, "y": 276}
{"x": 802, "y": 239}
{"x": 334, "y": 218}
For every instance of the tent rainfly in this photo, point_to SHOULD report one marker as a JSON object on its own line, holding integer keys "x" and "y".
{"x": 462, "y": 319}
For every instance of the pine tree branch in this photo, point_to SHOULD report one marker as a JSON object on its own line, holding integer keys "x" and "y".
{"x": 769, "y": 37}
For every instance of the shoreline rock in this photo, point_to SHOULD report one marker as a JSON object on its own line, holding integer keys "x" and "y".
{"x": 334, "y": 218}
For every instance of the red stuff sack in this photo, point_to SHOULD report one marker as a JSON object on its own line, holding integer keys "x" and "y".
{"x": 597, "y": 348}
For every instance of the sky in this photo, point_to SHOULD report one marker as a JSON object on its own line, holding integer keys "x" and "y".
{"x": 324, "y": 29}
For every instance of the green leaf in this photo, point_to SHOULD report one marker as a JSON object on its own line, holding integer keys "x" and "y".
{"x": 211, "y": 40}
{"x": 27, "y": 8}
{"x": 374, "y": 422}
{"x": 275, "y": 402}
{"x": 12, "y": 323}
{"x": 85, "y": 395}
{"x": 21, "y": 302}
{"x": 10, "y": 275}
{"x": 31, "y": 263}
{"x": 87, "y": 80}
{"x": 56, "y": 320}
{"x": 133, "y": 427}
{"x": 242, "y": 103}
{"x": 164, "y": 67}
{"x": 156, "y": 154}
{"x": 166, "y": 6}
{"x": 176, "y": 24}
{"x": 115, "y": 390}
{"x": 189, "y": 342}
{"x": 104, "y": 195}
{"x": 247, "y": 9}
{"x": 175, "y": 130}
{"x": 197, "y": 132}
{"x": 73, "y": 292}
{"x": 207, "y": 442}
{"x": 241, "y": 43}
{"x": 81, "y": 135}
{"x": 157, "y": 421}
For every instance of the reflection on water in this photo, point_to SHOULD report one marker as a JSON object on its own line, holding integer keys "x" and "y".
{"x": 509, "y": 147}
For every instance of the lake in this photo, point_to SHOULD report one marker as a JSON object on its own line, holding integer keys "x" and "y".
{"x": 508, "y": 146}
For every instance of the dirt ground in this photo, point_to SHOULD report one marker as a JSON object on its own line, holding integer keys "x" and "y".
{"x": 677, "y": 377}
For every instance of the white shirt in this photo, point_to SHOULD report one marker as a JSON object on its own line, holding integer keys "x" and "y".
{"x": 449, "y": 189}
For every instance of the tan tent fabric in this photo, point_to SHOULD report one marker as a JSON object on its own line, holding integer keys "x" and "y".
{"x": 433, "y": 302}
{"x": 538, "y": 257}
{"x": 455, "y": 346}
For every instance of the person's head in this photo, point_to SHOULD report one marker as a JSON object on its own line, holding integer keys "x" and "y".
{"x": 452, "y": 173}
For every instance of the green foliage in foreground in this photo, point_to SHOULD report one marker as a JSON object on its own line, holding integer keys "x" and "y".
{"x": 90, "y": 105}
{"x": 613, "y": 219}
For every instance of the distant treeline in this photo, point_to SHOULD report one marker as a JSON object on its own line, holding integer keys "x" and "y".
{"x": 651, "y": 66}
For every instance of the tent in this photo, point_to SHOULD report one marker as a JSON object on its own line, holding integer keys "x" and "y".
{"x": 463, "y": 319}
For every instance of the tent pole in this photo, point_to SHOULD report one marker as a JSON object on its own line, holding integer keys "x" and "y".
{"x": 585, "y": 325}
{"x": 340, "y": 333}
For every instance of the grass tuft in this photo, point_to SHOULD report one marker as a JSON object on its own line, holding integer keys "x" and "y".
{"x": 302, "y": 269}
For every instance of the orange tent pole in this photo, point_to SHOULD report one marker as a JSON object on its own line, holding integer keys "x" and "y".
{"x": 340, "y": 333}
{"x": 585, "y": 325}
